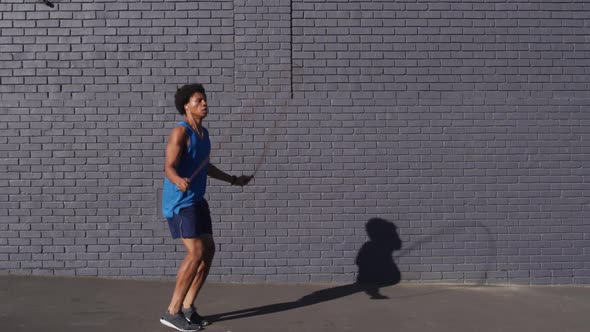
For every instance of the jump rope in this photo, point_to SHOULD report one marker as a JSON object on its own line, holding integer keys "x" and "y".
{"x": 270, "y": 137}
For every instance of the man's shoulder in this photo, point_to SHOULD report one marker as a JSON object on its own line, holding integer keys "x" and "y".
{"x": 180, "y": 129}
{"x": 179, "y": 132}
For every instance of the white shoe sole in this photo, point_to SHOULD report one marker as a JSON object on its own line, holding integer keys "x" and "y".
{"x": 165, "y": 322}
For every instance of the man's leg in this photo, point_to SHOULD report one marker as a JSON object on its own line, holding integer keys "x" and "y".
{"x": 187, "y": 272}
{"x": 202, "y": 271}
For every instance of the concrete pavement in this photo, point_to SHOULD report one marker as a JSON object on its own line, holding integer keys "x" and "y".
{"x": 58, "y": 304}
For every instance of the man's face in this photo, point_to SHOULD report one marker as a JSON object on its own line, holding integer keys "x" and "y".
{"x": 197, "y": 105}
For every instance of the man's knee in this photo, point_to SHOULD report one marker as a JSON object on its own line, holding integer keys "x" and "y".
{"x": 194, "y": 248}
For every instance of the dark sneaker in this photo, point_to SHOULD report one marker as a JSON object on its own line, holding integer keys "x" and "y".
{"x": 193, "y": 317}
{"x": 178, "y": 322}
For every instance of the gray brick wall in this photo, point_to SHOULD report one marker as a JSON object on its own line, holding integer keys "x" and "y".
{"x": 464, "y": 123}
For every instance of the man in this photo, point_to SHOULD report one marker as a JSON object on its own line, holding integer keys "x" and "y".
{"x": 184, "y": 206}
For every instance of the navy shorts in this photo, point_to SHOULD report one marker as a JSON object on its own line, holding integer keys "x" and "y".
{"x": 192, "y": 221}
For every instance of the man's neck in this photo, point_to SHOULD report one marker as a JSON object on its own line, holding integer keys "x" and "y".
{"x": 193, "y": 122}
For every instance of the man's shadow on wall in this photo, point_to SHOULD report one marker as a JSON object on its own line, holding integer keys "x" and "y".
{"x": 376, "y": 269}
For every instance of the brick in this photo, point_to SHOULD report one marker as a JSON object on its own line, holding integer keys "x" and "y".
{"x": 415, "y": 120}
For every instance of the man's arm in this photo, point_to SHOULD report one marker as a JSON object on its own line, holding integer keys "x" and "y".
{"x": 218, "y": 174}
{"x": 174, "y": 150}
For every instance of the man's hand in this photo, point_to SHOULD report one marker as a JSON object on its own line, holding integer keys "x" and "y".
{"x": 183, "y": 184}
{"x": 242, "y": 180}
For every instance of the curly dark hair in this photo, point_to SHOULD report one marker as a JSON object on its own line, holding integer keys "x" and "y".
{"x": 184, "y": 93}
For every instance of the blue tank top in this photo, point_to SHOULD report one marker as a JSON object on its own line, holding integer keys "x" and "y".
{"x": 173, "y": 200}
